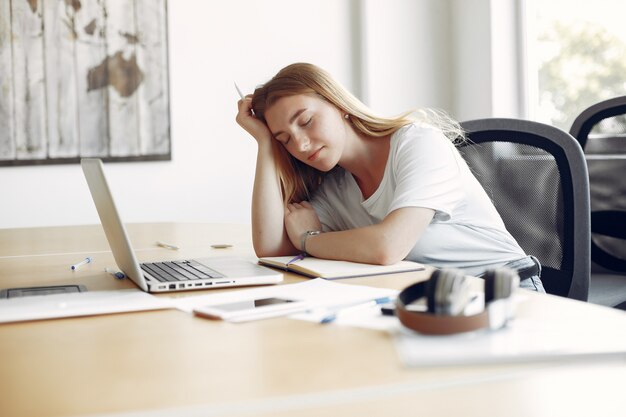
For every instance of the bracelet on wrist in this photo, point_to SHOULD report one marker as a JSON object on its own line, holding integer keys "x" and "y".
{"x": 305, "y": 235}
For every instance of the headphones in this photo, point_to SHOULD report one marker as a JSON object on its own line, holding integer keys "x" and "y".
{"x": 447, "y": 294}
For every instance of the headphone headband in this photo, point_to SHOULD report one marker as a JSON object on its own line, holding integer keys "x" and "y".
{"x": 447, "y": 295}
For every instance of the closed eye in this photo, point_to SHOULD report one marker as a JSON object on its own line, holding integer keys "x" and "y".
{"x": 283, "y": 138}
{"x": 306, "y": 123}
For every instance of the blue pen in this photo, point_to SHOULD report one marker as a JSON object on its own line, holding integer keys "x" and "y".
{"x": 338, "y": 310}
{"x": 83, "y": 262}
{"x": 116, "y": 274}
{"x": 296, "y": 258}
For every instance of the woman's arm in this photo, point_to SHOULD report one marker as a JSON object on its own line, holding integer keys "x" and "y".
{"x": 384, "y": 243}
{"x": 269, "y": 236}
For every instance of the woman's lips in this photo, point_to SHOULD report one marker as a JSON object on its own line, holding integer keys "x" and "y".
{"x": 314, "y": 156}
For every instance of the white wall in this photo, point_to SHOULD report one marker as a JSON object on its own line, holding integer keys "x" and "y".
{"x": 462, "y": 56}
{"x": 472, "y": 59}
{"x": 408, "y": 55}
{"x": 210, "y": 176}
{"x": 397, "y": 54}
{"x": 486, "y": 58}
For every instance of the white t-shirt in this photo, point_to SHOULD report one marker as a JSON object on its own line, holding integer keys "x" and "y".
{"x": 424, "y": 169}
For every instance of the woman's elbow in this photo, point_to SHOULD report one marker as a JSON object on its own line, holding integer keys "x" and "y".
{"x": 387, "y": 255}
{"x": 265, "y": 250}
{"x": 262, "y": 252}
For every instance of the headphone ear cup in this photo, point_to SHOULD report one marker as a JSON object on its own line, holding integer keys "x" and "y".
{"x": 500, "y": 283}
{"x": 431, "y": 286}
{"x": 447, "y": 292}
{"x": 490, "y": 277}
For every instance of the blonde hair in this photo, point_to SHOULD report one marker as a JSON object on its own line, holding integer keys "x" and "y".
{"x": 298, "y": 181}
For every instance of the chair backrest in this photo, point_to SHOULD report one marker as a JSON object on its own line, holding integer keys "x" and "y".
{"x": 602, "y": 115}
{"x": 536, "y": 176}
{"x": 601, "y": 131}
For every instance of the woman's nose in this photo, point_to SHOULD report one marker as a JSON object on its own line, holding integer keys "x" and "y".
{"x": 303, "y": 143}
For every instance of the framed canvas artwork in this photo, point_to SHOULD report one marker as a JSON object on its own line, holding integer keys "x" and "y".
{"x": 83, "y": 78}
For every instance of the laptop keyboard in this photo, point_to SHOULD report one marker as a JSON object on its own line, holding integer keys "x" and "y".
{"x": 179, "y": 271}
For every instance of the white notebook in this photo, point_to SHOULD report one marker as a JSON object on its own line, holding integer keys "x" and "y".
{"x": 328, "y": 269}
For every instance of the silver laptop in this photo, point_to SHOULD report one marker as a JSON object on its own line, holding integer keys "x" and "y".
{"x": 166, "y": 276}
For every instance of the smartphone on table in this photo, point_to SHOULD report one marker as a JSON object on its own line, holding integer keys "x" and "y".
{"x": 253, "y": 309}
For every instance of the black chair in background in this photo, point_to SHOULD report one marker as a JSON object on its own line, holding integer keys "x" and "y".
{"x": 537, "y": 178}
{"x": 601, "y": 131}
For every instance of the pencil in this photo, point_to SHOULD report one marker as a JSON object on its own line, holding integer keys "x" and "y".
{"x": 242, "y": 96}
{"x": 239, "y": 91}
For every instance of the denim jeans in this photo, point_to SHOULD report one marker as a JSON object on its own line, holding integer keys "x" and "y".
{"x": 532, "y": 282}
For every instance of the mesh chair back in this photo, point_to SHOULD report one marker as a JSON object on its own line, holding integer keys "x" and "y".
{"x": 537, "y": 179}
{"x": 601, "y": 131}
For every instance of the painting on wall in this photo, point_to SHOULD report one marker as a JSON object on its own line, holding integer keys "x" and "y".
{"x": 83, "y": 78}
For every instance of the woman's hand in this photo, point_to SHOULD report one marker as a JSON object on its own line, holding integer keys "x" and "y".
{"x": 250, "y": 123}
{"x": 300, "y": 218}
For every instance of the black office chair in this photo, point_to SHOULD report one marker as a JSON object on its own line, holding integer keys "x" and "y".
{"x": 537, "y": 178}
{"x": 601, "y": 131}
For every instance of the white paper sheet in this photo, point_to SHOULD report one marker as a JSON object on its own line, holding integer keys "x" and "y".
{"x": 368, "y": 317}
{"x": 319, "y": 295}
{"x": 78, "y": 304}
{"x": 523, "y": 340}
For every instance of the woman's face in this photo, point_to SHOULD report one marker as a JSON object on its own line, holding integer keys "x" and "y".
{"x": 310, "y": 128}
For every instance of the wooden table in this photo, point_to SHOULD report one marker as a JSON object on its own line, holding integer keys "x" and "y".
{"x": 171, "y": 363}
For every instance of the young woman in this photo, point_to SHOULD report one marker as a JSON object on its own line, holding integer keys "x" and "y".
{"x": 337, "y": 182}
